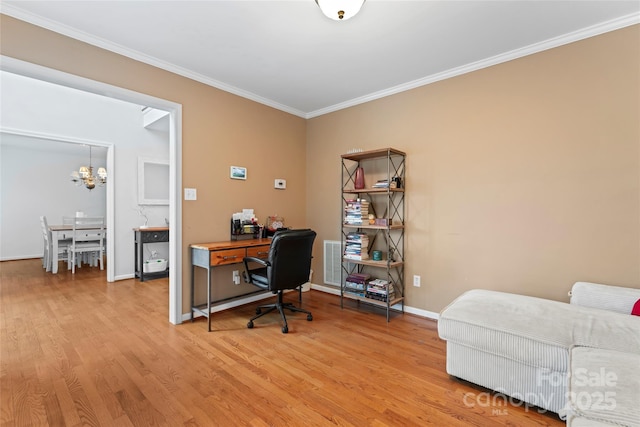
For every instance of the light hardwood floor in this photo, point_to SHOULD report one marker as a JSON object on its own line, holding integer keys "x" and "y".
{"x": 76, "y": 350}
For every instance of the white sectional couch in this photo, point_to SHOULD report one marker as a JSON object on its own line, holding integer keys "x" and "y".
{"x": 580, "y": 360}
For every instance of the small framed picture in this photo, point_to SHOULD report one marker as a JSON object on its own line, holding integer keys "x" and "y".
{"x": 238, "y": 172}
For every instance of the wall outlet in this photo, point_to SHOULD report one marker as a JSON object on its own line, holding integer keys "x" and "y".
{"x": 416, "y": 280}
{"x": 236, "y": 277}
{"x": 280, "y": 184}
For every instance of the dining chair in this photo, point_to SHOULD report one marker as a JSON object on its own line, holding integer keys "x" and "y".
{"x": 87, "y": 239}
{"x": 47, "y": 245}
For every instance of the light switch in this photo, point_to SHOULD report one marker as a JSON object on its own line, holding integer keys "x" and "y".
{"x": 280, "y": 184}
{"x": 190, "y": 194}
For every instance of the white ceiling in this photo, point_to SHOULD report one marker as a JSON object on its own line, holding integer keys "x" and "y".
{"x": 288, "y": 55}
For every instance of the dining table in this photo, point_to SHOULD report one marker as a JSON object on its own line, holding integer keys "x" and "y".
{"x": 58, "y": 233}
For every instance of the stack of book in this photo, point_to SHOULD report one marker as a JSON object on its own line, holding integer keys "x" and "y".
{"x": 357, "y": 246}
{"x": 384, "y": 183}
{"x": 356, "y": 212}
{"x": 381, "y": 290}
{"x": 356, "y": 284}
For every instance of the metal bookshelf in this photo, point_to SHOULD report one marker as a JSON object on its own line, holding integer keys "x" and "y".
{"x": 386, "y": 202}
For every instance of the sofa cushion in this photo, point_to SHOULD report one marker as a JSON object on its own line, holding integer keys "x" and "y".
{"x": 576, "y": 421}
{"x": 607, "y": 330}
{"x": 604, "y": 387}
{"x": 502, "y": 324}
{"x": 535, "y": 331}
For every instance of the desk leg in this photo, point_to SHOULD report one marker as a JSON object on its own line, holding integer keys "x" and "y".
{"x": 140, "y": 253}
{"x": 209, "y": 298}
{"x": 193, "y": 287}
{"x": 54, "y": 252}
{"x": 136, "y": 272}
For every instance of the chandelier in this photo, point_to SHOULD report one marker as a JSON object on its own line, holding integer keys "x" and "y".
{"x": 340, "y": 10}
{"x": 85, "y": 175}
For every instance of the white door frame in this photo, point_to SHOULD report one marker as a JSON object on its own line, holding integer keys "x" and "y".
{"x": 39, "y": 72}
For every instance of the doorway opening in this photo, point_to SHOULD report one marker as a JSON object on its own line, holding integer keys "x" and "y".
{"x": 34, "y": 71}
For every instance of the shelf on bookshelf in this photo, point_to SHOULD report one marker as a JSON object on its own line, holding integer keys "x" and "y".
{"x": 372, "y": 263}
{"x": 373, "y": 190}
{"x": 373, "y": 154}
{"x": 373, "y": 301}
{"x": 375, "y": 227}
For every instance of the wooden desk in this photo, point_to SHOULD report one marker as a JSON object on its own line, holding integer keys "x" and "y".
{"x": 148, "y": 235}
{"x": 61, "y": 232}
{"x": 216, "y": 254}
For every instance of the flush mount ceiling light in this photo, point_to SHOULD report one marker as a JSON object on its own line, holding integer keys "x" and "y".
{"x": 85, "y": 175}
{"x": 340, "y": 10}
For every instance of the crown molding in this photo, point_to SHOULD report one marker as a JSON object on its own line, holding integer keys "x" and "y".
{"x": 581, "y": 34}
{"x": 594, "y": 30}
{"x": 141, "y": 57}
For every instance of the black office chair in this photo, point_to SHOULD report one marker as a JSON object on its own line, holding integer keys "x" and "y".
{"x": 287, "y": 267}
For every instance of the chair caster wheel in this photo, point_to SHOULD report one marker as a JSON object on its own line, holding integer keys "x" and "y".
{"x": 250, "y": 325}
{"x": 258, "y": 311}
{"x": 309, "y": 317}
{"x": 285, "y": 329}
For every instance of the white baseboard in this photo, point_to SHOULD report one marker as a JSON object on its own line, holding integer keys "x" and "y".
{"x": 422, "y": 313}
{"x": 411, "y": 310}
{"x": 19, "y": 257}
{"x": 322, "y": 288}
{"x": 328, "y": 289}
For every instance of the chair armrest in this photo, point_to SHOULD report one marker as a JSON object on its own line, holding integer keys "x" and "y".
{"x": 260, "y": 261}
{"x": 247, "y": 272}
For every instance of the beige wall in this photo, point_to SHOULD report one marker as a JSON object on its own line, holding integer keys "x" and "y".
{"x": 219, "y": 130}
{"x": 521, "y": 177}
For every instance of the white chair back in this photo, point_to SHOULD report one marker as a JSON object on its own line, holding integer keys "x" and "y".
{"x": 87, "y": 237}
{"x": 46, "y": 246}
{"x": 45, "y": 228}
{"x": 88, "y": 229}
{"x": 49, "y": 244}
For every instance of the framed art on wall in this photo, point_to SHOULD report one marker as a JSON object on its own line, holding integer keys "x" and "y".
{"x": 238, "y": 172}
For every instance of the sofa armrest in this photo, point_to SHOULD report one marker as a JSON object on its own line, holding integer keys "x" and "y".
{"x": 604, "y": 297}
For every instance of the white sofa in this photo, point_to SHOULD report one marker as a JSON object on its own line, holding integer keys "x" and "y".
{"x": 580, "y": 360}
